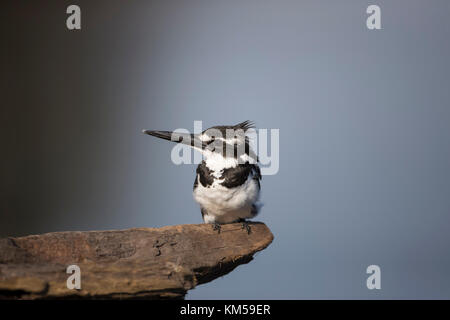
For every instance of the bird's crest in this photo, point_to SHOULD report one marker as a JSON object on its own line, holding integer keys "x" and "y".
{"x": 247, "y": 124}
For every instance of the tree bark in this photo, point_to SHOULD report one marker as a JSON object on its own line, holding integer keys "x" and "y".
{"x": 144, "y": 263}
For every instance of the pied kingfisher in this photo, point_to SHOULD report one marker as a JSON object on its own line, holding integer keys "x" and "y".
{"x": 227, "y": 182}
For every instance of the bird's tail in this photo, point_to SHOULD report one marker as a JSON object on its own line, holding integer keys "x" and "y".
{"x": 256, "y": 207}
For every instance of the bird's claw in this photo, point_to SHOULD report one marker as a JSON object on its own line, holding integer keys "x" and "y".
{"x": 246, "y": 226}
{"x": 217, "y": 227}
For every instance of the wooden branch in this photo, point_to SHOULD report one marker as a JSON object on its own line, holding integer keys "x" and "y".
{"x": 144, "y": 263}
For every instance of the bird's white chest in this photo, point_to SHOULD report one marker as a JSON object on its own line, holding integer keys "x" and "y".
{"x": 224, "y": 205}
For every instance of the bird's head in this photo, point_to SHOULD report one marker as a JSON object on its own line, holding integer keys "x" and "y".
{"x": 223, "y": 141}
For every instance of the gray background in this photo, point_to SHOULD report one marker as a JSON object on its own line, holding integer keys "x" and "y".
{"x": 363, "y": 116}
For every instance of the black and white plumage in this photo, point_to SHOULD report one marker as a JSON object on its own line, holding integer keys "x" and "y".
{"x": 227, "y": 184}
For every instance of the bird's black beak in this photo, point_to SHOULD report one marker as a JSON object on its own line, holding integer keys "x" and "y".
{"x": 166, "y": 135}
{"x": 189, "y": 139}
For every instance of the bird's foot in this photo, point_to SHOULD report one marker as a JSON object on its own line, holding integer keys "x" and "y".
{"x": 246, "y": 226}
{"x": 216, "y": 227}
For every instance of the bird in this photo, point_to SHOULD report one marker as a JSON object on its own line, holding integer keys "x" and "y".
{"x": 227, "y": 182}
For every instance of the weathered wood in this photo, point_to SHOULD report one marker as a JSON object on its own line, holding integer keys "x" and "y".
{"x": 147, "y": 263}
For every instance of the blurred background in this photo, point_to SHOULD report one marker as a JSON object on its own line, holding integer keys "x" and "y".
{"x": 363, "y": 116}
